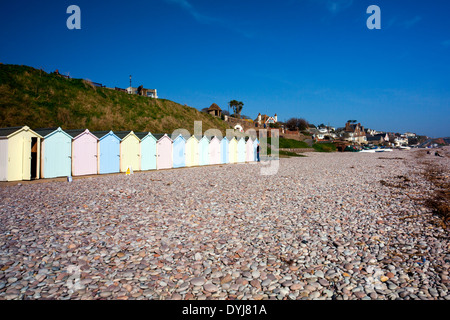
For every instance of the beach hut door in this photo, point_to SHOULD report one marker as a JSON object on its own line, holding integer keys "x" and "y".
{"x": 34, "y": 157}
{"x": 29, "y": 158}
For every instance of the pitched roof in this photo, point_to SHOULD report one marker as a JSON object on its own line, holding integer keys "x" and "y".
{"x": 100, "y": 134}
{"x": 75, "y": 132}
{"x": 158, "y": 136}
{"x": 122, "y": 134}
{"x": 141, "y": 135}
{"x": 214, "y": 107}
{"x": 4, "y": 132}
{"x": 45, "y": 131}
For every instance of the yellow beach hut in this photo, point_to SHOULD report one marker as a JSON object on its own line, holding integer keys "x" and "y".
{"x": 130, "y": 151}
{"x": 232, "y": 151}
{"x": 192, "y": 156}
{"x": 19, "y": 154}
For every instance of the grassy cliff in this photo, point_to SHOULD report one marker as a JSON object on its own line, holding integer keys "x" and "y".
{"x": 37, "y": 99}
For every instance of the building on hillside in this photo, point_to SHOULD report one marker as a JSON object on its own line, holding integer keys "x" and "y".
{"x": 264, "y": 120}
{"x": 215, "y": 110}
{"x": 354, "y": 133}
{"x": 377, "y": 139}
{"x": 151, "y": 93}
{"x": 400, "y": 140}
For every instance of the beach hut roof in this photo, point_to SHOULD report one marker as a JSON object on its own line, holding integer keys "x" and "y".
{"x": 8, "y": 132}
{"x": 184, "y": 136}
{"x": 5, "y": 132}
{"x": 158, "y": 136}
{"x": 122, "y": 134}
{"x": 47, "y": 132}
{"x": 102, "y": 134}
{"x": 144, "y": 135}
{"x": 76, "y": 132}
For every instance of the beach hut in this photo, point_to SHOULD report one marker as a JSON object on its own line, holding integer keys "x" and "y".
{"x": 192, "y": 156}
{"x": 179, "y": 152}
{"x": 214, "y": 150}
{"x": 56, "y": 153}
{"x": 164, "y": 158}
{"x": 203, "y": 151}
{"x": 232, "y": 150}
{"x": 249, "y": 154}
{"x": 148, "y": 150}
{"x": 19, "y": 154}
{"x": 241, "y": 150}
{"x": 84, "y": 152}
{"x": 224, "y": 150}
{"x": 255, "y": 145}
{"x": 108, "y": 152}
{"x": 130, "y": 151}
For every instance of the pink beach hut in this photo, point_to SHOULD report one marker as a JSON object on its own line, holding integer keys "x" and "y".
{"x": 163, "y": 151}
{"x": 84, "y": 152}
{"x": 249, "y": 157}
{"x": 214, "y": 150}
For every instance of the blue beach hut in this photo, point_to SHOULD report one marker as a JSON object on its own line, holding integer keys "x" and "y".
{"x": 203, "y": 151}
{"x": 56, "y": 153}
{"x": 224, "y": 150}
{"x": 241, "y": 150}
{"x": 148, "y": 150}
{"x": 109, "y": 152}
{"x": 179, "y": 152}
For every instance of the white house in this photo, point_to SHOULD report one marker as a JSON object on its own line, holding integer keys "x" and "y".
{"x": 151, "y": 93}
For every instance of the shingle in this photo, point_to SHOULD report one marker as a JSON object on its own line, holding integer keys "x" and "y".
{"x": 4, "y": 132}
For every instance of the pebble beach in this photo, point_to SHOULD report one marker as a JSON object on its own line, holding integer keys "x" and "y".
{"x": 344, "y": 226}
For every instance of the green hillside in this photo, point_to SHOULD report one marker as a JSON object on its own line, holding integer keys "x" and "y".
{"x": 37, "y": 99}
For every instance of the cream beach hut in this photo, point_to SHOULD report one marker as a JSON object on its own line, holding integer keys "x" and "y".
{"x": 19, "y": 154}
{"x": 130, "y": 151}
{"x": 232, "y": 150}
{"x": 192, "y": 156}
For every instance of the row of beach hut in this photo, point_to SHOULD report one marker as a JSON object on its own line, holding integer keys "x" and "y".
{"x": 27, "y": 154}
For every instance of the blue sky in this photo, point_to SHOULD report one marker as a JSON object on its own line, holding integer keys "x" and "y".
{"x": 314, "y": 59}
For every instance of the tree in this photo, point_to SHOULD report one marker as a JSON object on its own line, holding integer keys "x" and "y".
{"x": 297, "y": 124}
{"x": 236, "y": 106}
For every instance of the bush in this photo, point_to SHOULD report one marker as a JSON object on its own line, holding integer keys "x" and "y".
{"x": 324, "y": 147}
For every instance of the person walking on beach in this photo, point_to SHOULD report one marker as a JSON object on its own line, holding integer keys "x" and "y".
{"x": 257, "y": 152}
